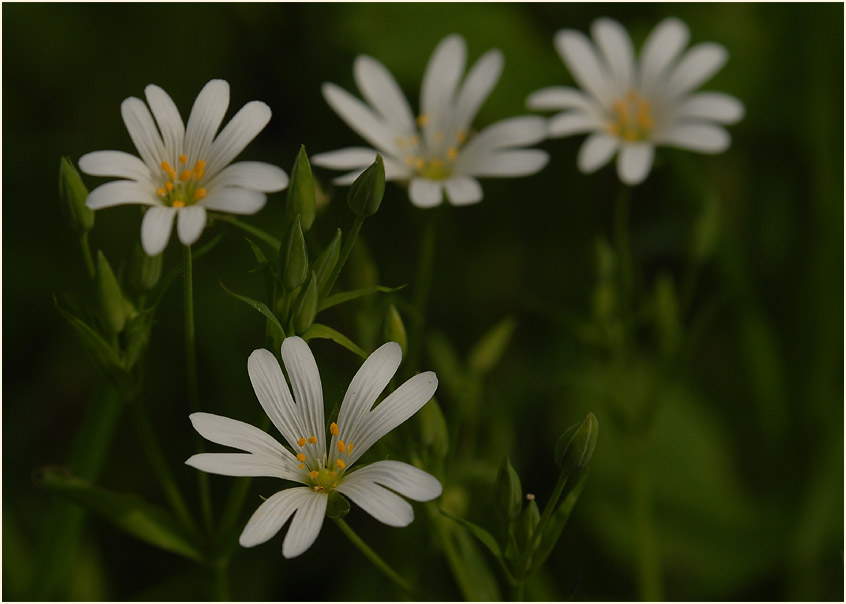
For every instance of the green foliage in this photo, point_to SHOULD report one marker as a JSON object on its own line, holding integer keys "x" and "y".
{"x": 72, "y": 195}
{"x": 300, "y": 201}
{"x": 366, "y": 192}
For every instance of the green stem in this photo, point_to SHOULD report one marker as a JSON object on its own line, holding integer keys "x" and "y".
{"x": 373, "y": 556}
{"x": 518, "y": 591}
{"x": 624, "y": 248}
{"x": 648, "y": 559}
{"x": 86, "y": 255}
{"x": 220, "y": 583}
{"x": 349, "y": 241}
{"x": 523, "y": 563}
{"x": 422, "y": 286}
{"x": 191, "y": 371}
{"x": 248, "y": 228}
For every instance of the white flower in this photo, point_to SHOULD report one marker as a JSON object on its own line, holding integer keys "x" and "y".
{"x": 300, "y": 421}
{"x": 437, "y": 151}
{"x": 631, "y": 106}
{"x": 184, "y": 170}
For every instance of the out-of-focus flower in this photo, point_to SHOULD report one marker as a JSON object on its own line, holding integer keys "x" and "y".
{"x": 183, "y": 169}
{"x": 631, "y": 106}
{"x": 300, "y": 421}
{"x": 437, "y": 151}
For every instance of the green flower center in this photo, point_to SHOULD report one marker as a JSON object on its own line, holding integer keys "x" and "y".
{"x": 182, "y": 189}
{"x": 632, "y": 119}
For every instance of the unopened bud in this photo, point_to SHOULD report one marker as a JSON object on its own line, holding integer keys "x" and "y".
{"x": 526, "y": 524}
{"x": 294, "y": 263}
{"x": 575, "y": 447}
{"x": 508, "y": 493}
{"x": 146, "y": 270}
{"x": 113, "y": 309}
{"x": 72, "y": 194}
{"x": 306, "y": 306}
{"x": 366, "y": 192}
{"x": 393, "y": 329}
{"x": 301, "y": 198}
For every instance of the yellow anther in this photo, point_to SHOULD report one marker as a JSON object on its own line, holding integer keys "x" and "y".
{"x": 460, "y": 136}
{"x": 439, "y": 136}
{"x": 178, "y": 203}
{"x": 401, "y": 142}
{"x": 185, "y": 175}
{"x": 183, "y": 158}
{"x": 613, "y": 128}
{"x": 171, "y": 174}
{"x": 340, "y": 463}
{"x": 437, "y": 164}
{"x": 341, "y": 447}
{"x": 419, "y": 163}
{"x": 301, "y": 442}
{"x": 630, "y": 135}
{"x": 333, "y": 428}
{"x": 199, "y": 194}
{"x": 161, "y": 191}
{"x": 169, "y": 186}
{"x": 301, "y": 466}
{"x": 332, "y": 474}
{"x": 301, "y": 457}
{"x": 452, "y": 153}
{"x": 409, "y": 159}
{"x": 349, "y": 449}
{"x": 622, "y": 112}
{"x": 166, "y": 166}
{"x": 314, "y": 474}
{"x": 312, "y": 440}
{"x": 199, "y": 168}
{"x": 422, "y": 119}
{"x": 414, "y": 139}
{"x": 644, "y": 121}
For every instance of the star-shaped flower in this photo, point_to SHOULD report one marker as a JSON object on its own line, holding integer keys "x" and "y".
{"x": 437, "y": 151}
{"x": 183, "y": 169}
{"x": 632, "y": 106}
{"x": 308, "y": 462}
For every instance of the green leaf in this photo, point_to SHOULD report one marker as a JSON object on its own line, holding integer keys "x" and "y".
{"x": 259, "y": 306}
{"x": 342, "y": 297}
{"x": 138, "y": 518}
{"x": 557, "y": 522}
{"x": 490, "y": 348}
{"x": 320, "y": 331}
{"x": 479, "y": 533}
{"x": 103, "y": 354}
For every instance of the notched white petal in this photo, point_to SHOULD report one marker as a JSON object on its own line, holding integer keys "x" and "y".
{"x": 425, "y": 193}
{"x": 155, "y": 229}
{"x": 190, "y": 224}
{"x": 634, "y": 162}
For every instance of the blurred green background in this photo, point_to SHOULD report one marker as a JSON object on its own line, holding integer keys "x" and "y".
{"x": 745, "y": 454}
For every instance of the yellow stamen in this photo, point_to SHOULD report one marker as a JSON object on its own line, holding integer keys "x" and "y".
{"x": 333, "y": 428}
{"x": 301, "y": 466}
{"x": 613, "y": 128}
{"x": 183, "y": 158}
{"x": 199, "y": 194}
{"x": 400, "y": 141}
{"x": 439, "y": 136}
{"x": 340, "y": 463}
{"x": 169, "y": 186}
{"x": 301, "y": 457}
{"x": 622, "y": 112}
{"x": 409, "y": 159}
{"x": 185, "y": 175}
{"x": 630, "y": 135}
{"x": 160, "y": 191}
{"x": 349, "y": 449}
{"x": 332, "y": 474}
{"x": 178, "y": 203}
{"x": 460, "y": 136}
{"x": 419, "y": 163}
{"x": 644, "y": 121}
{"x": 452, "y": 153}
{"x": 437, "y": 164}
{"x": 301, "y": 442}
{"x": 341, "y": 447}
{"x": 312, "y": 440}
{"x": 422, "y": 119}
{"x": 314, "y": 474}
{"x": 166, "y": 166}
{"x": 414, "y": 139}
{"x": 171, "y": 174}
{"x": 199, "y": 168}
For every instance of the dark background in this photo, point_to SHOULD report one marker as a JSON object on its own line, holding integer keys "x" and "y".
{"x": 747, "y": 450}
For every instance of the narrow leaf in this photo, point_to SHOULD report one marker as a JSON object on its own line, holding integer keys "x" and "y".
{"x": 101, "y": 351}
{"x": 557, "y": 522}
{"x": 342, "y": 297}
{"x": 259, "y": 306}
{"x": 479, "y": 533}
{"x": 317, "y": 330}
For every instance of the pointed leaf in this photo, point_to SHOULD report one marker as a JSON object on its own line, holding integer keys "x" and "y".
{"x": 102, "y": 353}
{"x": 342, "y": 297}
{"x": 259, "y": 306}
{"x": 557, "y": 522}
{"x": 479, "y": 533}
{"x": 490, "y": 348}
{"x": 317, "y": 330}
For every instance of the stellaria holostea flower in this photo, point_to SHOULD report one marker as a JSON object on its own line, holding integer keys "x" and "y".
{"x": 300, "y": 421}
{"x": 183, "y": 169}
{"x": 632, "y": 106}
{"x": 436, "y": 151}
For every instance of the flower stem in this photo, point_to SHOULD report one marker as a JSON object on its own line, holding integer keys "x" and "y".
{"x": 623, "y": 241}
{"x": 349, "y": 241}
{"x": 373, "y": 556}
{"x": 191, "y": 370}
{"x": 522, "y": 566}
{"x": 86, "y": 255}
{"x": 252, "y": 230}
{"x": 648, "y": 558}
{"x": 422, "y": 285}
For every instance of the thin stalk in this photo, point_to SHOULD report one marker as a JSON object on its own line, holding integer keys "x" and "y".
{"x": 86, "y": 255}
{"x": 518, "y": 591}
{"x": 252, "y": 230}
{"x": 373, "y": 556}
{"x": 191, "y": 371}
{"x": 624, "y": 247}
{"x": 522, "y": 566}
{"x": 349, "y": 241}
{"x": 648, "y": 558}
{"x": 422, "y": 286}
{"x": 220, "y": 583}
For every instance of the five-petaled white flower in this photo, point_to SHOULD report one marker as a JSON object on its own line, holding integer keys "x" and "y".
{"x": 631, "y": 106}
{"x": 437, "y": 151}
{"x": 184, "y": 170}
{"x": 300, "y": 421}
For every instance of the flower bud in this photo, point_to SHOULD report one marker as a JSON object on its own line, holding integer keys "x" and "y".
{"x": 367, "y": 191}
{"x": 295, "y": 259}
{"x": 393, "y": 329}
{"x": 575, "y": 447}
{"x": 305, "y": 308}
{"x": 487, "y": 353}
{"x": 526, "y": 524}
{"x": 508, "y": 493}
{"x": 72, "y": 194}
{"x": 301, "y": 199}
{"x": 326, "y": 261}
{"x": 146, "y": 270}
{"x": 113, "y": 308}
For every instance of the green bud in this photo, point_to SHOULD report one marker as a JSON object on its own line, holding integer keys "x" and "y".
{"x": 393, "y": 329}
{"x": 605, "y": 259}
{"x": 301, "y": 199}
{"x": 367, "y": 191}
{"x": 575, "y": 447}
{"x": 508, "y": 493}
{"x": 305, "y": 308}
{"x": 434, "y": 434}
{"x": 491, "y": 347}
{"x": 527, "y": 522}
{"x": 706, "y": 230}
{"x": 113, "y": 309}
{"x": 327, "y": 260}
{"x": 337, "y": 506}
{"x": 146, "y": 270}
{"x": 72, "y": 194}
{"x": 295, "y": 259}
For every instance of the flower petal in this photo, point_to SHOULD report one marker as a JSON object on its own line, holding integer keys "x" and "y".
{"x": 305, "y": 527}
{"x": 520, "y": 162}
{"x": 142, "y": 130}
{"x": 345, "y": 159}
{"x": 115, "y": 163}
{"x": 401, "y": 477}
{"x": 190, "y": 223}
{"x": 596, "y": 151}
{"x": 169, "y": 121}
{"x": 440, "y": 81}
{"x": 584, "y": 64}
{"x": 572, "y": 122}
{"x": 511, "y": 132}
{"x": 120, "y": 192}
{"x": 425, "y": 193}
{"x": 361, "y": 118}
{"x": 558, "y": 97}
{"x": 634, "y": 162}
{"x": 236, "y": 135}
{"x": 273, "y": 395}
{"x": 616, "y": 46}
{"x": 273, "y": 514}
{"x": 235, "y": 200}
{"x": 381, "y": 90}
{"x": 243, "y": 464}
{"x": 698, "y": 65}
{"x": 714, "y": 106}
{"x": 478, "y": 84}
{"x": 394, "y": 170}
{"x": 661, "y": 48}
{"x": 308, "y": 390}
{"x": 206, "y": 116}
{"x": 705, "y": 138}
{"x": 238, "y": 435}
{"x": 254, "y": 175}
{"x": 155, "y": 229}
{"x": 401, "y": 404}
{"x": 377, "y": 501}
{"x": 463, "y": 190}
